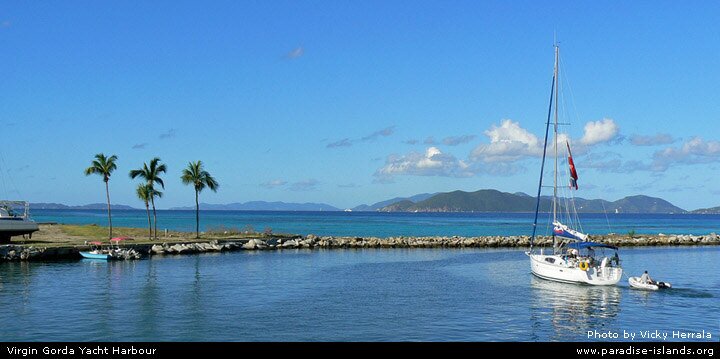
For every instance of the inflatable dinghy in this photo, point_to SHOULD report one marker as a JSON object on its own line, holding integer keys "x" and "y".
{"x": 636, "y": 283}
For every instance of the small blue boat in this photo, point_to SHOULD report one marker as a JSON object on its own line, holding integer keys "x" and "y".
{"x": 95, "y": 255}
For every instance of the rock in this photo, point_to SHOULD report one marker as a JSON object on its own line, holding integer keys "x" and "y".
{"x": 179, "y": 249}
{"x": 157, "y": 249}
{"x": 249, "y": 245}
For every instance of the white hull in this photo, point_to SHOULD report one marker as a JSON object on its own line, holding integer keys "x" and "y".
{"x": 556, "y": 268}
{"x": 635, "y": 282}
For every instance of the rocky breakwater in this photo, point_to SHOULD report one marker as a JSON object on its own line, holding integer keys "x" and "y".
{"x": 659, "y": 240}
{"x": 187, "y": 248}
{"x": 127, "y": 253}
{"x": 12, "y": 252}
{"x": 20, "y": 252}
{"x": 330, "y": 242}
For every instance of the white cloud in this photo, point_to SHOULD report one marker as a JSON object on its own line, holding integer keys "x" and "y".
{"x": 601, "y": 131}
{"x": 658, "y": 139}
{"x": 431, "y": 163}
{"x": 508, "y": 142}
{"x": 695, "y": 150}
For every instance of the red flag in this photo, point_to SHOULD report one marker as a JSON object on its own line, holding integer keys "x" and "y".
{"x": 573, "y": 172}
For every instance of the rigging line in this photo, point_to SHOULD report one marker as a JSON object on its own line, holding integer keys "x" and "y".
{"x": 566, "y": 204}
{"x": 606, "y": 216}
{"x": 566, "y": 112}
{"x": 542, "y": 166}
{"x": 13, "y": 187}
{"x": 573, "y": 218}
{"x": 566, "y": 78}
{"x": 3, "y": 168}
{"x": 2, "y": 179}
{"x": 574, "y": 214}
{"x": 549, "y": 226}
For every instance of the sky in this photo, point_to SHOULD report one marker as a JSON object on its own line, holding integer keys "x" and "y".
{"x": 352, "y": 102}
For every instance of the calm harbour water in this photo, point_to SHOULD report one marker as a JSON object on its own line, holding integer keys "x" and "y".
{"x": 349, "y": 295}
{"x": 356, "y": 295}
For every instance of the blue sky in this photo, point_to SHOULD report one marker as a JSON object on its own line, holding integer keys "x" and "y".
{"x": 350, "y": 102}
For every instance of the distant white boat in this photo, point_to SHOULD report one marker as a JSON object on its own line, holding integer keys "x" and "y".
{"x": 14, "y": 223}
{"x": 347, "y": 210}
{"x": 572, "y": 258}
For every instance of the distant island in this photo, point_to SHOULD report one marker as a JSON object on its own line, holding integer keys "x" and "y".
{"x": 485, "y": 200}
{"x": 85, "y": 206}
{"x": 379, "y": 205}
{"x": 713, "y": 210}
{"x": 489, "y": 200}
{"x": 262, "y": 206}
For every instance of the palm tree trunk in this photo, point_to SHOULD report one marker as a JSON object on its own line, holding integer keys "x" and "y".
{"x": 147, "y": 209}
{"x": 197, "y": 215}
{"x": 154, "y": 215}
{"x": 107, "y": 192}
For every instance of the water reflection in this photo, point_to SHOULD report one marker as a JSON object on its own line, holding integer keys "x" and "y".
{"x": 14, "y": 274}
{"x": 572, "y": 310}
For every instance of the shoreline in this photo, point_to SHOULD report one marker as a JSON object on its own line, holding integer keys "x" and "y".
{"x": 57, "y": 242}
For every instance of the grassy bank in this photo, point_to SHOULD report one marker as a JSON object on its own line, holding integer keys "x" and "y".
{"x": 65, "y": 235}
{"x": 70, "y": 234}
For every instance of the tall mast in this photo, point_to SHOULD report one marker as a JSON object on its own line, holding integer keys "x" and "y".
{"x": 555, "y": 135}
{"x": 555, "y": 132}
{"x": 542, "y": 164}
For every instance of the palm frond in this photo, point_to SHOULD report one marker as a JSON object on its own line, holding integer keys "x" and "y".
{"x": 195, "y": 174}
{"x": 135, "y": 173}
{"x": 102, "y": 165}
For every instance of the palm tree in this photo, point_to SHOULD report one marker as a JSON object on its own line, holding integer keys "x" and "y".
{"x": 104, "y": 166}
{"x": 151, "y": 174}
{"x": 145, "y": 192}
{"x": 195, "y": 174}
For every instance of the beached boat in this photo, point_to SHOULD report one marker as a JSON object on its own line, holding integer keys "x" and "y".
{"x": 96, "y": 255}
{"x": 96, "y": 252}
{"x": 573, "y": 257}
{"x": 15, "y": 220}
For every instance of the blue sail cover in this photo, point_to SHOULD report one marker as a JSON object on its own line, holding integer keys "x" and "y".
{"x": 561, "y": 230}
{"x": 583, "y": 245}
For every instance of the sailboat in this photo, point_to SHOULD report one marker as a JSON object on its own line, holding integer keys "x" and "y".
{"x": 572, "y": 258}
